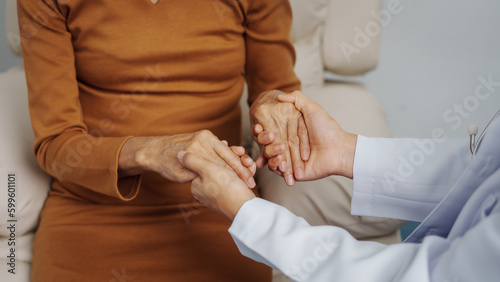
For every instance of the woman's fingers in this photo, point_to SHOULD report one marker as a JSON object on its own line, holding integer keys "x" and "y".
{"x": 274, "y": 150}
{"x": 274, "y": 162}
{"x": 305, "y": 148}
{"x": 238, "y": 150}
{"x": 297, "y": 167}
{"x": 261, "y": 160}
{"x": 283, "y": 97}
{"x": 257, "y": 129}
{"x": 265, "y": 138}
{"x": 247, "y": 161}
{"x": 193, "y": 162}
{"x": 286, "y": 165}
{"x": 235, "y": 163}
{"x": 275, "y": 137}
{"x": 288, "y": 127}
{"x": 253, "y": 167}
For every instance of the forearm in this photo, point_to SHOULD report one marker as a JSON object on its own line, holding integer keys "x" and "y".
{"x": 345, "y": 158}
{"x": 131, "y": 160}
{"x": 73, "y": 156}
{"x": 265, "y": 232}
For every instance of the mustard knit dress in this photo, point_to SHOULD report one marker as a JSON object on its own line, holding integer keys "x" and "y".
{"x": 101, "y": 71}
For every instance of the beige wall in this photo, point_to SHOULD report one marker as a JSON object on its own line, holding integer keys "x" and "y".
{"x": 432, "y": 54}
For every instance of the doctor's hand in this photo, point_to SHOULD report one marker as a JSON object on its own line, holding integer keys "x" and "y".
{"x": 332, "y": 149}
{"x": 216, "y": 187}
{"x": 288, "y": 128}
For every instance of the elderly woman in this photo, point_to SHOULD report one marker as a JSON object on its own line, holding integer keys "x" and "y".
{"x": 116, "y": 90}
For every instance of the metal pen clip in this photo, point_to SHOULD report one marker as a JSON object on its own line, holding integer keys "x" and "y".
{"x": 472, "y": 131}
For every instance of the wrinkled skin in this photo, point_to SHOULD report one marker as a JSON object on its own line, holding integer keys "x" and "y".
{"x": 285, "y": 124}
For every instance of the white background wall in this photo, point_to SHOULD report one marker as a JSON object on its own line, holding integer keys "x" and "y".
{"x": 431, "y": 56}
{"x": 7, "y": 60}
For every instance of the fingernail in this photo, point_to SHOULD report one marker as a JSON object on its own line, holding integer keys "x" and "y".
{"x": 266, "y": 137}
{"x": 305, "y": 155}
{"x": 278, "y": 148}
{"x": 251, "y": 182}
{"x": 300, "y": 173}
{"x": 289, "y": 180}
{"x": 283, "y": 166}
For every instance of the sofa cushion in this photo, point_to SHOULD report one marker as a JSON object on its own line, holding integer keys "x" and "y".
{"x": 308, "y": 17}
{"x": 351, "y": 36}
{"x": 22, "y": 271}
{"x": 309, "y": 63}
{"x": 306, "y": 34}
{"x": 16, "y": 142}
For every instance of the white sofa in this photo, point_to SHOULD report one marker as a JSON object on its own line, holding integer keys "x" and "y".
{"x": 320, "y": 29}
{"x": 16, "y": 143}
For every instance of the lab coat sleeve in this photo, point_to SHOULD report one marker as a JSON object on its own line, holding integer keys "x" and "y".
{"x": 270, "y": 234}
{"x": 405, "y": 178}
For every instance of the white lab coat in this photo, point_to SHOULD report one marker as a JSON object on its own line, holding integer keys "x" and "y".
{"x": 456, "y": 197}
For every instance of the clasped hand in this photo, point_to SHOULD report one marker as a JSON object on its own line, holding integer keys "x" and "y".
{"x": 281, "y": 123}
{"x": 281, "y": 133}
{"x": 331, "y": 153}
{"x": 159, "y": 154}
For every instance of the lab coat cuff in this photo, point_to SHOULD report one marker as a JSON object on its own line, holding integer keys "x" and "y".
{"x": 364, "y": 165}
{"x": 249, "y": 216}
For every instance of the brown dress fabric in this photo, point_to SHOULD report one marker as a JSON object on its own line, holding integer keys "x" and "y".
{"x": 101, "y": 71}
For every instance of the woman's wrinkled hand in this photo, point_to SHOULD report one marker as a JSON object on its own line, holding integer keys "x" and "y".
{"x": 159, "y": 154}
{"x": 332, "y": 149}
{"x": 289, "y": 133}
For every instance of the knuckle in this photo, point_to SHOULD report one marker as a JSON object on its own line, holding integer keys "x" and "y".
{"x": 267, "y": 151}
{"x": 287, "y": 109}
{"x": 282, "y": 110}
{"x": 258, "y": 108}
{"x": 193, "y": 146}
{"x": 261, "y": 112}
{"x": 297, "y": 163}
{"x": 294, "y": 140}
{"x": 302, "y": 131}
{"x": 288, "y": 106}
{"x": 275, "y": 92}
{"x": 203, "y": 134}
